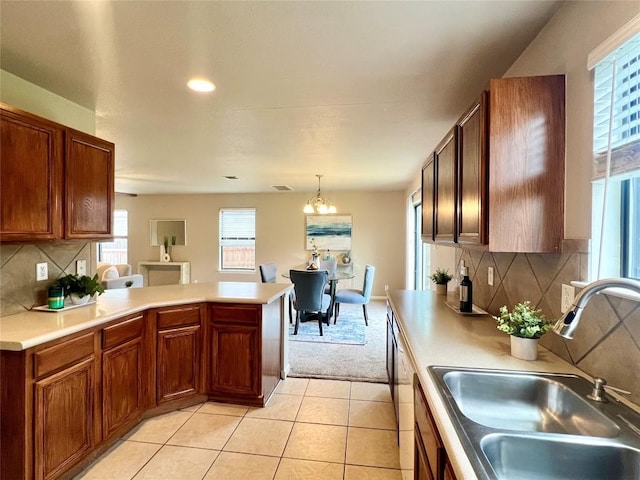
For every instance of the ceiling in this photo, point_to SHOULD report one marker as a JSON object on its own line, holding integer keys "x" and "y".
{"x": 358, "y": 91}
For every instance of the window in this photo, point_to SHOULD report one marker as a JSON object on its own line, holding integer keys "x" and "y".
{"x": 238, "y": 239}
{"x": 630, "y": 221}
{"x": 616, "y": 141}
{"x": 116, "y": 252}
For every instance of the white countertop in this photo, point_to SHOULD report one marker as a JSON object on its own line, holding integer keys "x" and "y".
{"x": 435, "y": 335}
{"x": 31, "y": 328}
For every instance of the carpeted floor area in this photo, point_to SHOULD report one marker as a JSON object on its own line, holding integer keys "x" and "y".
{"x": 365, "y": 363}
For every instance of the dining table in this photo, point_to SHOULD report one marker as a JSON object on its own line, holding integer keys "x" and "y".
{"x": 342, "y": 272}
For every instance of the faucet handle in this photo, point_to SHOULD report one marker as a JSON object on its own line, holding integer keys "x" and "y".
{"x": 598, "y": 392}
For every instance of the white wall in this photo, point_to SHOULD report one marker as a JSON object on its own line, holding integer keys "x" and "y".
{"x": 31, "y": 98}
{"x": 378, "y": 232}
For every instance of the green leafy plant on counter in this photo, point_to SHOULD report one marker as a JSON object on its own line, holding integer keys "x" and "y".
{"x": 80, "y": 284}
{"x": 524, "y": 321}
{"x": 441, "y": 276}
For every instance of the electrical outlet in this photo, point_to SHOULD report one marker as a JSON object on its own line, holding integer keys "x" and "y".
{"x": 568, "y": 294}
{"x": 490, "y": 276}
{"x": 81, "y": 267}
{"x": 42, "y": 271}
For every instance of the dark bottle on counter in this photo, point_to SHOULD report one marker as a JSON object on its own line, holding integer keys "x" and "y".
{"x": 466, "y": 292}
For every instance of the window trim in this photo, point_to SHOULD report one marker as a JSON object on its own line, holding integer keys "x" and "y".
{"x": 221, "y": 268}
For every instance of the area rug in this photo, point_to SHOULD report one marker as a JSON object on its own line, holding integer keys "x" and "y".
{"x": 348, "y": 330}
{"x": 340, "y": 361}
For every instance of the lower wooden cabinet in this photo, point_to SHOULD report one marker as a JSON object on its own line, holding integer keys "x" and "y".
{"x": 431, "y": 461}
{"x": 124, "y": 374}
{"x": 64, "y": 407}
{"x": 179, "y": 346}
{"x": 244, "y": 352}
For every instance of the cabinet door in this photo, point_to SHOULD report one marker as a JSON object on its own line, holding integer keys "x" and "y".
{"x": 31, "y": 156}
{"x": 89, "y": 186}
{"x": 235, "y": 359}
{"x": 446, "y": 161}
{"x": 428, "y": 199}
{"x": 64, "y": 405}
{"x": 421, "y": 469}
{"x": 472, "y": 175}
{"x": 178, "y": 363}
{"x": 123, "y": 373}
{"x": 527, "y": 164}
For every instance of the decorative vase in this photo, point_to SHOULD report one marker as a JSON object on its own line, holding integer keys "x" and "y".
{"x": 524, "y": 348}
{"x": 78, "y": 300}
{"x": 441, "y": 288}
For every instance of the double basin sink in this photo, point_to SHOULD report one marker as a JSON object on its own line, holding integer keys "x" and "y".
{"x": 522, "y": 425}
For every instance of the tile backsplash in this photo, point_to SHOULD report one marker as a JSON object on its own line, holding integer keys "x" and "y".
{"x": 607, "y": 342}
{"x": 19, "y": 290}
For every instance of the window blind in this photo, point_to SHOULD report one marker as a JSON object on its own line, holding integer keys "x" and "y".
{"x": 237, "y": 225}
{"x": 617, "y": 108}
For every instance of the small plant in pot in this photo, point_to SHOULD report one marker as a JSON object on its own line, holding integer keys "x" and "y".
{"x": 526, "y": 325}
{"x": 80, "y": 288}
{"x": 441, "y": 277}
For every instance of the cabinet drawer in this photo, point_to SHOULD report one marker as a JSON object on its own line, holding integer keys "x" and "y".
{"x": 63, "y": 354}
{"x": 179, "y": 316}
{"x": 122, "y": 332}
{"x": 234, "y": 314}
{"x": 429, "y": 433}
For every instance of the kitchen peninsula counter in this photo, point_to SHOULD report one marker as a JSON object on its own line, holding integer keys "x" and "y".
{"x": 31, "y": 328}
{"x": 434, "y": 334}
{"x": 134, "y": 353}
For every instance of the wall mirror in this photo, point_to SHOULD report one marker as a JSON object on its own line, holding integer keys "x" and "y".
{"x": 175, "y": 231}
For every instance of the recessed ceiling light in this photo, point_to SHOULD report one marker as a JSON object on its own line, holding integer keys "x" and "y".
{"x": 201, "y": 85}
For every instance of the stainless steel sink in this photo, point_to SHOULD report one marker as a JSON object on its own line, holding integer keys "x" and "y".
{"x": 533, "y": 458}
{"x": 523, "y": 425}
{"x": 514, "y": 401}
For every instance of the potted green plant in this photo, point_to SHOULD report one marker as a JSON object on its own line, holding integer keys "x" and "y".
{"x": 525, "y": 324}
{"x": 441, "y": 277}
{"x": 80, "y": 288}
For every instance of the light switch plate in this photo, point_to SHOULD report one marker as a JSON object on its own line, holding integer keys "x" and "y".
{"x": 568, "y": 294}
{"x": 42, "y": 271}
{"x": 81, "y": 267}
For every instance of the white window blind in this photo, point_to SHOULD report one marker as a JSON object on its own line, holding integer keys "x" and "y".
{"x": 237, "y": 238}
{"x": 617, "y": 105}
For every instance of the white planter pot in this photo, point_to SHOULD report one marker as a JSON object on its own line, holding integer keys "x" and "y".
{"x": 524, "y": 348}
{"x": 77, "y": 300}
{"x": 441, "y": 288}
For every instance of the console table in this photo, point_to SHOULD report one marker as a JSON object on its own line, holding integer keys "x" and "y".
{"x": 183, "y": 267}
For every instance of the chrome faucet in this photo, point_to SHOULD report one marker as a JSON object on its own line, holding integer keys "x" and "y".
{"x": 567, "y": 324}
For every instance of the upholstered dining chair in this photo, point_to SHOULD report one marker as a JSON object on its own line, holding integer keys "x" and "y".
{"x": 358, "y": 297}
{"x": 309, "y": 295}
{"x": 330, "y": 266}
{"x": 268, "y": 274}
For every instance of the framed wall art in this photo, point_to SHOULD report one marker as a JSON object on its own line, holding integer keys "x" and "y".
{"x": 329, "y": 232}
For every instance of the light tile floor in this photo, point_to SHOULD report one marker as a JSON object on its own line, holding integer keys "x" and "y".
{"x": 311, "y": 429}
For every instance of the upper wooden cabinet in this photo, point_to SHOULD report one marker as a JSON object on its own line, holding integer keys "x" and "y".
{"x": 446, "y": 165}
{"x": 57, "y": 183}
{"x": 472, "y": 174}
{"x": 428, "y": 198}
{"x": 509, "y": 169}
{"x": 526, "y": 164}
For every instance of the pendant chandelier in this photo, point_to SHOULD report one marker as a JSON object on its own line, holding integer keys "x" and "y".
{"x": 318, "y": 204}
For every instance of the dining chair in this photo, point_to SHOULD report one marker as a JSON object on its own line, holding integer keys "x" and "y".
{"x": 330, "y": 266}
{"x": 268, "y": 274}
{"x": 357, "y": 297}
{"x": 309, "y": 295}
